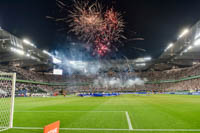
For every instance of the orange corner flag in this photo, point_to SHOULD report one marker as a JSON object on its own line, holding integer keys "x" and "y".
{"x": 52, "y": 128}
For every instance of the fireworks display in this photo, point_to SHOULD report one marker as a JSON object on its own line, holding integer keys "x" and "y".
{"x": 100, "y": 28}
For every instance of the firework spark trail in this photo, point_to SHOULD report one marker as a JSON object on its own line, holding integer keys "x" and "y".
{"x": 86, "y": 21}
{"x": 101, "y": 29}
{"x": 95, "y": 26}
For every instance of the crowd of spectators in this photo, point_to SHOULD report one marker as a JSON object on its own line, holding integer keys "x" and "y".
{"x": 172, "y": 74}
{"x": 83, "y": 83}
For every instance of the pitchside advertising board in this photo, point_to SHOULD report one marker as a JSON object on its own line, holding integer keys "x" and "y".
{"x": 52, "y": 128}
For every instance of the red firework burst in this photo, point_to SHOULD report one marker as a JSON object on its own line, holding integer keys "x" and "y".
{"x": 96, "y": 26}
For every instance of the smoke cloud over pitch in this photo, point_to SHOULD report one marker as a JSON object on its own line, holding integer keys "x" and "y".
{"x": 118, "y": 82}
{"x": 97, "y": 68}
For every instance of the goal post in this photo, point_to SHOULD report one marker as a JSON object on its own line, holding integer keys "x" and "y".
{"x": 7, "y": 98}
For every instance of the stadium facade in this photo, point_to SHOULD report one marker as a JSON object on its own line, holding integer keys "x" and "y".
{"x": 185, "y": 50}
{"x": 178, "y": 65}
{"x": 18, "y": 52}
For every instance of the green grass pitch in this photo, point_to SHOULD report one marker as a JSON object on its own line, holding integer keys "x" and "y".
{"x": 99, "y": 113}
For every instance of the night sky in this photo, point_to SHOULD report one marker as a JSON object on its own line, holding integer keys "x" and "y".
{"x": 158, "y": 21}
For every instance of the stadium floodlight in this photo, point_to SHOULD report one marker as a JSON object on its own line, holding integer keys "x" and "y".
{"x": 144, "y": 59}
{"x": 169, "y": 46}
{"x": 197, "y": 42}
{"x": 141, "y": 64}
{"x": 194, "y": 63}
{"x": 56, "y": 61}
{"x": 190, "y": 47}
{"x": 29, "y": 43}
{"x": 33, "y": 57}
{"x": 18, "y": 51}
{"x": 26, "y": 41}
{"x": 187, "y": 49}
{"x": 147, "y": 59}
{"x": 197, "y": 35}
{"x": 185, "y": 31}
{"x": 46, "y": 52}
{"x": 28, "y": 55}
{"x": 72, "y": 62}
{"x": 79, "y": 63}
{"x": 139, "y": 60}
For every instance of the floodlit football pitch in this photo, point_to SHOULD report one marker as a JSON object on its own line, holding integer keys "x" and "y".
{"x": 120, "y": 114}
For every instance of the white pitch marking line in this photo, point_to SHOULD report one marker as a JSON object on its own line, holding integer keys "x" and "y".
{"x": 129, "y": 121}
{"x": 103, "y": 129}
{"x": 63, "y": 111}
{"x": 169, "y": 130}
{"x": 1, "y": 130}
{"x": 79, "y": 129}
{"x": 28, "y": 128}
{"x": 94, "y": 129}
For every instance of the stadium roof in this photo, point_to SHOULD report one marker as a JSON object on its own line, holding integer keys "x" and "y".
{"x": 21, "y": 52}
{"x": 185, "y": 50}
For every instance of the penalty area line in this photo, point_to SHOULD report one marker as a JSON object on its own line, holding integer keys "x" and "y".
{"x": 104, "y": 129}
{"x": 129, "y": 121}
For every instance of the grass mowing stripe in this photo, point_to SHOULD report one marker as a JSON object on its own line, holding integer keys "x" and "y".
{"x": 63, "y": 111}
{"x": 79, "y": 129}
{"x": 103, "y": 129}
{"x": 114, "y": 120}
{"x": 155, "y": 114}
{"x": 129, "y": 121}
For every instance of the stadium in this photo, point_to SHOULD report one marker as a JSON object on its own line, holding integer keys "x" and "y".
{"x": 144, "y": 94}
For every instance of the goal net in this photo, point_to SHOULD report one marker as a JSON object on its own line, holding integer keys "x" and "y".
{"x": 7, "y": 94}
